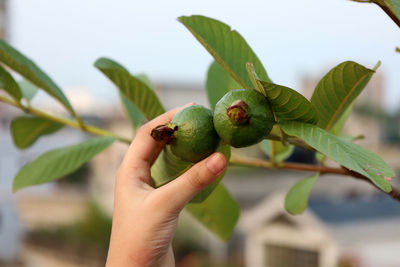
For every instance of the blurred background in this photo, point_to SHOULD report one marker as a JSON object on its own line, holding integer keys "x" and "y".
{"x": 67, "y": 222}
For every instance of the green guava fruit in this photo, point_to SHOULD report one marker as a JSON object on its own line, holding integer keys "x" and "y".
{"x": 190, "y": 134}
{"x": 243, "y": 118}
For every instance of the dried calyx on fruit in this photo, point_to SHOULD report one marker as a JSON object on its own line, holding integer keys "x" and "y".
{"x": 238, "y": 112}
{"x": 243, "y": 118}
{"x": 190, "y": 134}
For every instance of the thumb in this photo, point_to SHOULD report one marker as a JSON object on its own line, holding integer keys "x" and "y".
{"x": 181, "y": 190}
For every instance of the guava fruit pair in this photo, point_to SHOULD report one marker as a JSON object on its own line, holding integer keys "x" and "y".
{"x": 241, "y": 118}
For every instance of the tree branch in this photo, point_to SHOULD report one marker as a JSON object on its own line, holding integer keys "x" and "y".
{"x": 247, "y": 162}
{"x": 71, "y": 123}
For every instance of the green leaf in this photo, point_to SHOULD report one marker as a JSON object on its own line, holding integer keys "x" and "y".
{"x": 337, "y": 90}
{"x": 167, "y": 167}
{"x": 337, "y": 128}
{"x": 29, "y": 90}
{"x": 296, "y": 200}
{"x": 137, "y": 92}
{"x": 26, "y": 130}
{"x": 288, "y": 104}
{"x": 27, "y": 68}
{"x": 282, "y": 152}
{"x": 146, "y": 80}
{"x": 345, "y": 153}
{"x": 9, "y": 84}
{"x": 56, "y": 163}
{"x": 227, "y": 47}
{"x": 135, "y": 116}
{"x": 219, "y": 212}
{"x": 226, "y": 150}
{"x": 218, "y": 83}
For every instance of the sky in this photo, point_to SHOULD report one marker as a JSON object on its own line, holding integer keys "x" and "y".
{"x": 292, "y": 38}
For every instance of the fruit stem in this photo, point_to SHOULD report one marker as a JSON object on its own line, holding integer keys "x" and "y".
{"x": 164, "y": 133}
{"x": 238, "y": 112}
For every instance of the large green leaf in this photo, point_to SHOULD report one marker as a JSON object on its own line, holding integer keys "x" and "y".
{"x": 27, "y": 68}
{"x": 218, "y": 83}
{"x": 137, "y": 92}
{"x": 281, "y": 151}
{"x": 226, "y": 150}
{"x": 26, "y": 130}
{"x": 338, "y": 127}
{"x": 9, "y": 84}
{"x": 146, "y": 80}
{"x": 227, "y": 47}
{"x": 288, "y": 104}
{"x": 29, "y": 90}
{"x": 345, "y": 153}
{"x": 337, "y": 90}
{"x": 135, "y": 116}
{"x": 56, "y": 163}
{"x": 296, "y": 200}
{"x": 219, "y": 212}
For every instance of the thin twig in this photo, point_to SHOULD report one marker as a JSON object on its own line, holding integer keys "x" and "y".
{"x": 71, "y": 123}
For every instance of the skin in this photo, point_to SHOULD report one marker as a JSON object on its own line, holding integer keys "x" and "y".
{"x": 145, "y": 218}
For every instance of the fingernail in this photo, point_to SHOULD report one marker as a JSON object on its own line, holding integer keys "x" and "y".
{"x": 217, "y": 163}
{"x": 190, "y": 104}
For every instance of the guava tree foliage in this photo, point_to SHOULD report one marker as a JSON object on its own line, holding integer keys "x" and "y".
{"x": 314, "y": 125}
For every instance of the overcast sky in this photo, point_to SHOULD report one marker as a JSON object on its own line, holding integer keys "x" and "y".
{"x": 292, "y": 38}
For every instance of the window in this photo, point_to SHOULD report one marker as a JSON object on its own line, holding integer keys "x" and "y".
{"x": 282, "y": 256}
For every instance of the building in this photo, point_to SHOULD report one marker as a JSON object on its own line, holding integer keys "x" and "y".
{"x": 3, "y": 19}
{"x": 277, "y": 239}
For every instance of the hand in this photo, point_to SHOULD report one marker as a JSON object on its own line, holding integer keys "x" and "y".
{"x": 145, "y": 218}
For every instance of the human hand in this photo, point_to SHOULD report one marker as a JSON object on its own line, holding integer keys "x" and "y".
{"x": 145, "y": 218}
